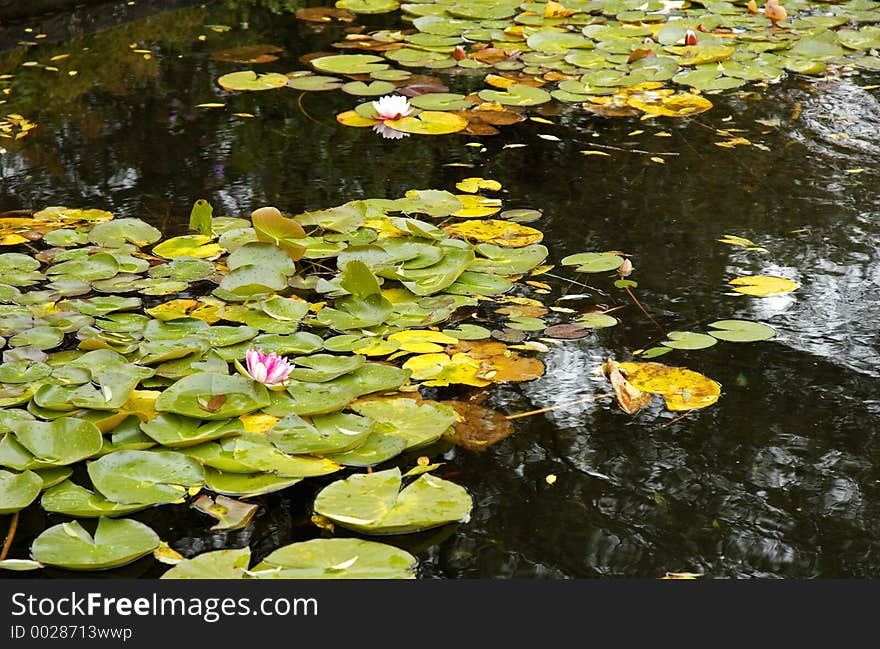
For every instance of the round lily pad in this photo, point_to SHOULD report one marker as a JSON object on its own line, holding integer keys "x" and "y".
{"x": 313, "y": 82}
{"x": 139, "y": 477}
{"x": 441, "y": 101}
{"x": 371, "y": 89}
{"x": 213, "y": 396}
{"x": 429, "y": 123}
{"x": 741, "y": 331}
{"x": 116, "y": 542}
{"x": 63, "y": 441}
{"x": 372, "y": 503}
{"x": 245, "y": 485}
{"x": 219, "y": 564}
{"x": 517, "y": 95}
{"x": 337, "y": 559}
{"x": 688, "y": 340}
{"x": 250, "y": 81}
{"x": 18, "y": 490}
{"x": 71, "y": 499}
{"x": 349, "y": 63}
{"x": 594, "y": 262}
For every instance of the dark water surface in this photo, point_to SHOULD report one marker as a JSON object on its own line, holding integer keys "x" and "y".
{"x": 780, "y": 478}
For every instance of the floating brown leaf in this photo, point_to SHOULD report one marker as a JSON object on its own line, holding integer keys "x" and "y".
{"x": 325, "y": 15}
{"x": 232, "y": 514}
{"x": 477, "y": 427}
{"x": 248, "y": 54}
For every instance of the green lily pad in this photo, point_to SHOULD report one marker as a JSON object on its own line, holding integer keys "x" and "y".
{"x": 72, "y": 500}
{"x": 183, "y": 269}
{"x": 113, "y": 234}
{"x": 18, "y": 490}
{"x": 372, "y": 503}
{"x": 324, "y": 367}
{"x": 553, "y": 41}
{"x": 245, "y": 485}
{"x": 89, "y": 269}
{"x": 264, "y": 255}
{"x": 741, "y": 331}
{"x": 313, "y": 82}
{"x": 688, "y": 340}
{"x": 596, "y": 321}
{"x": 251, "y": 81}
{"x": 349, "y": 63}
{"x": 517, "y": 95}
{"x": 419, "y": 423}
{"x": 54, "y": 475}
{"x": 219, "y": 564}
{"x": 20, "y": 565}
{"x": 145, "y": 477}
{"x": 378, "y": 447}
{"x": 60, "y": 442}
{"x": 330, "y": 396}
{"x": 508, "y": 261}
{"x": 176, "y": 431}
{"x": 116, "y": 543}
{"x": 441, "y": 101}
{"x": 368, "y": 6}
{"x": 259, "y": 454}
{"x": 594, "y": 262}
{"x": 333, "y": 433}
{"x": 371, "y": 89}
{"x": 337, "y": 559}
{"x": 213, "y": 396}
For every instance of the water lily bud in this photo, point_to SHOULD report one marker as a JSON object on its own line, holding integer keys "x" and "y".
{"x": 690, "y": 37}
{"x": 626, "y": 268}
{"x": 458, "y": 53}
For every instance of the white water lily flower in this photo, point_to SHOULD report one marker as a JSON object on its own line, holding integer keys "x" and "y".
{"x": 392, "y": 107}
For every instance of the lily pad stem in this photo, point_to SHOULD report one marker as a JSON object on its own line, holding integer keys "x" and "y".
{"x": 642, "y": 309}
{"x": 13, "y": 525}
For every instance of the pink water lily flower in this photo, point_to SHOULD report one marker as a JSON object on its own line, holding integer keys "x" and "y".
{"x": 269, "y": 369}
{"x": 392, "y": 107}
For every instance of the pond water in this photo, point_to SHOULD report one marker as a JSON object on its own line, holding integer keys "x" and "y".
{"x": 780, "y": 478}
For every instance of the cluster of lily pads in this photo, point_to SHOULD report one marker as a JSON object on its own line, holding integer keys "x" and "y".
{"x": 612, "y": 57}
{"x": 103, "y": 375}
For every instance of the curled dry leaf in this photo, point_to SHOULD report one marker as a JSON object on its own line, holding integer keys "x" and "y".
{"x": 232, "y": 514}
{"x": 629, "y": 398}
{"x": 477, "y": 427}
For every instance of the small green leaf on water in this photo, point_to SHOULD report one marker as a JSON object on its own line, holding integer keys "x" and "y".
{"x": 741, "y": 331}
{"x": 200, "y": 217}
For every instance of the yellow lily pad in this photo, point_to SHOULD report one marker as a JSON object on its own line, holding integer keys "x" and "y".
{"x": 681, "y": 388}
{"x": 421, "y": 341}
{"x": 191, "y": 245}
{"x": 442, "y": 369}
{"x": 351, "y": 118}
{"x": 429, "y": 122}
{"x": 501, "y": 233}
{"x": 473, "y": 185}
{"x": 763, "y": 285}
{"x": 474, "y": 207}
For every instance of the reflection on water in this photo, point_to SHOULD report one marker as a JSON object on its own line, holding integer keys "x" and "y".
{"x": 780, "y": 478}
